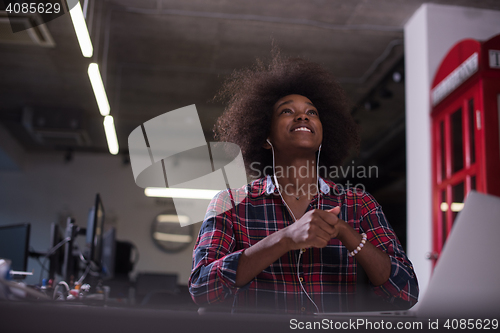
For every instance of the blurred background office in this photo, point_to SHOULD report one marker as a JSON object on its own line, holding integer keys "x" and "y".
{"x": 157, "y": 56}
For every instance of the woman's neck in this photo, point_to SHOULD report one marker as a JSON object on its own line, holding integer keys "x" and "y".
{"x": 297, "y": 176}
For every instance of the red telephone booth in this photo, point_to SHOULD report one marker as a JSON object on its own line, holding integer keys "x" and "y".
{"x": 465, "y": 98}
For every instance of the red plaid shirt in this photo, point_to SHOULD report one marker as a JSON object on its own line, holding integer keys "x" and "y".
{"x": 329, "y": 274}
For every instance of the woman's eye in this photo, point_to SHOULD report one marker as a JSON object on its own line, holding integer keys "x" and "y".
{"x": 286, "y": 111}
{"x": 313, "y": 112}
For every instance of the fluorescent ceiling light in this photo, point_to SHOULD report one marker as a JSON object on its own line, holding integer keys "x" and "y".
{"x": 172, "y": 218}
{"x": 109, "y": 129}
{"x": 182, "y": 193}
{"x": 161, "y": 236}
{"x": 98, "y": 87}
{"x": 81, "y": 30}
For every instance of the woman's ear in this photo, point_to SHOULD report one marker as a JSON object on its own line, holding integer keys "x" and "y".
{"x": 267, "y": 144}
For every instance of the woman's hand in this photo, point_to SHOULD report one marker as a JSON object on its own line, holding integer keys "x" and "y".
{"x": 314, "y": 229}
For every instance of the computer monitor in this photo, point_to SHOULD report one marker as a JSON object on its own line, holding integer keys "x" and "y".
{"x": 57, "y": 257}
{"x": 108, "y": 254}
{"x": 14, "y": 245}
{"x": 95, "y": 230}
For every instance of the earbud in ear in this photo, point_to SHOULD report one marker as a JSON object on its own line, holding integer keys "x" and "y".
{"x": 267, "y": 145}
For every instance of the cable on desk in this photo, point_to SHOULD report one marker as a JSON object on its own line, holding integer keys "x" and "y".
{"x": 64, "y": 284}
{"x": 49, "y": 253}
{"x": 24, "y": 288}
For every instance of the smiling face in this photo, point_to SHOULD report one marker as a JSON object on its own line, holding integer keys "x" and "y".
{"x": 295, "y": 125}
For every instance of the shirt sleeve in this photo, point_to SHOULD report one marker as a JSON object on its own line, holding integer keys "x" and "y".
{"x": 402, "y": 285}
{"x": 215, "y": 262}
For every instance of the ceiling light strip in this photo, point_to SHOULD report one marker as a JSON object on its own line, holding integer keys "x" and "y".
{"x": 172, "y": 218}
{"x": 161, "y": 236}
{"x": 82, "y": 33}
{"x": 98, "y": 87}
{"x": 181, "y": 193}
{"x": 109, "y": 129}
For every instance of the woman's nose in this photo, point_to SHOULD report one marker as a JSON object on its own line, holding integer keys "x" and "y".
{"x": 301, "y": 115}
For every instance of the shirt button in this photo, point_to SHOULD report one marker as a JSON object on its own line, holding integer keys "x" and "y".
{"x": 301, "y": 279}
{"x": 303, "y": 250}
{"x": 303, "y": 309}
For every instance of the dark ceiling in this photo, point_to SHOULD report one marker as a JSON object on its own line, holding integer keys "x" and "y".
{"x": 157, "y": 56}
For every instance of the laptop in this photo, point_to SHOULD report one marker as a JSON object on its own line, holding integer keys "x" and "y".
{"x": 466, "y": 279}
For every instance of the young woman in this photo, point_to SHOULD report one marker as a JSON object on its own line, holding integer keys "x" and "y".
{"x": 294, "y": 241}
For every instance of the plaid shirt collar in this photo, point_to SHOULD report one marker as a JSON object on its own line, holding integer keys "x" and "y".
{"x": 265, "y": 186}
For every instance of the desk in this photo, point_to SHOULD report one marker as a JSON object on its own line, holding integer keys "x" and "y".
{"x": 72, "y": 318}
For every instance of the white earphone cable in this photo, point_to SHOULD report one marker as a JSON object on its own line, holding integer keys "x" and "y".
{"x": 294, "y": 219}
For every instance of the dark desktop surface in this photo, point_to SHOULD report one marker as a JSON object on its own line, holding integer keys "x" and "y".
{"x": 76, "y": 317}
{"x": 172, "y": 310}
{"x": 52, "y": 318}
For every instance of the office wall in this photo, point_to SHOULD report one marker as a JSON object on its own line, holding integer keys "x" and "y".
{"x": 11, "y": 153}
{"x": 429, "y": 35}
{"x": 46, "y": 189}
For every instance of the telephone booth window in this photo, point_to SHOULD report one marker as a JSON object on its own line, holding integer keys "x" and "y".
{"x": 444, "y": 219}
{"x": 472, "y": 146}
{"x": 456, "y": 141}
{"x": 457, "y": 202}
{"x": 442, "y": 159}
